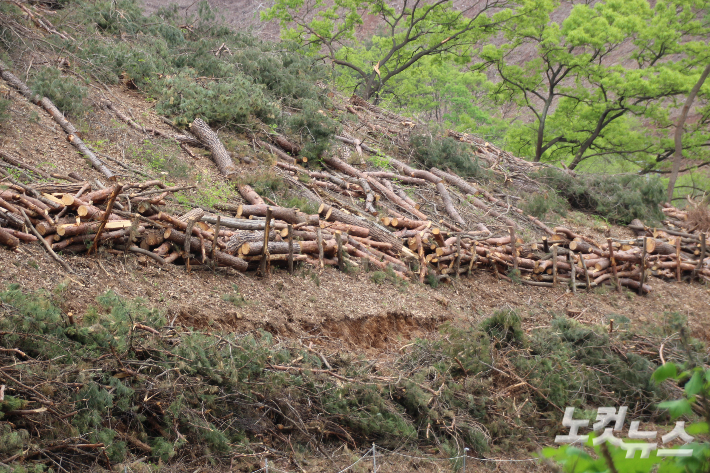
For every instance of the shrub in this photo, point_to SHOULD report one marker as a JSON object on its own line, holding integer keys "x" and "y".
{"x": 65, "y": 92}
{"x": 445, "y": 153}
{"x": 180, "y": 70}
{"x": 619, "y": 198}
{"x": 314, "y": 128}
{"x": 504, "y": 326}
{"x": 541, "y": 204}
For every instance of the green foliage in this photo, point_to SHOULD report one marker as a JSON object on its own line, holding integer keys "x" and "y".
{"x": 504, "y": 326}
{"x": 585, "y": 106}
{"x": 315, "y": 129}
{"x": 12, "y": 441}
{"x": 445, "y": 153}
{"x": 414, "y": 32}
{"x": 541, "y": 204}
{"x": 180, "y": 70}
{"x": 618, "y": 198}
{"x": 388, "y": 275}
{"x": 64, "y": 91}
{"x": 301, "y": 203}
{"x": 230, "y": 101}
{"x": 210, "y": 193}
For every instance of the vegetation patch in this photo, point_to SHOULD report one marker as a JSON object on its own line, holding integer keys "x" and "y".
{"x": 121, "y": 378}
{"x": 620, "y": 198}
{"x": 65, "y": 92}
{"x": 445, "y": 153}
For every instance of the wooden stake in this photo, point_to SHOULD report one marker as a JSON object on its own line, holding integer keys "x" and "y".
{"x": 339, "y": 241}
{"x": 188, "y": 239}
{"x": 474, "y": 257}
{"x": 264, "y": 265}
{"x": 573, "y": 272}
{"x": 319, "y": 236}
{"x": 214, "y": 240}
{"x": 554, "y": 266}
{"x": 613, "y": 264}
{"x": 515, "y": 252}
{"x": 586, "y": 273}
{"x": 677, "y": 258}
{"x": 290, "y": 248}
{"x": 703, "y": 252}
{"x": 545, "y": 245}
{"x": 107, "y": 214}
{"x": 643, "y": 267}
{"x": 457, "y": 261}
{"x": 422, "y": 260}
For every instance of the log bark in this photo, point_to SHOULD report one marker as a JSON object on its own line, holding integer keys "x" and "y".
{"x": 250, "y": 195}
{"x": 399, "y": 177}
{"x": 285, "y": 144}
{"x": 243, "y": 236}
{"x": 22, "y": 236}
{"x": 242, "y": 223}
{"x": 68, "y": 230}
{"x": 8, "y": 239}
{"x": 222, "y": 258}
{"x": 219, "y": 153}
{"x": 16, "y": 162}
{"x": 376, "y": 233}
{"x": 449, "y": 205}
{"x": 291, "y": 216}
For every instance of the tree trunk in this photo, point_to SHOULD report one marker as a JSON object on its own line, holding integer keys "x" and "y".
{"x": 219, "y": 154}
{"x": 678, "y": 155}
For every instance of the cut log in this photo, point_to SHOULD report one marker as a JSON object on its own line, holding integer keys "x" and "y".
{"x": 195, "y": 214}
{"x": 291, "y": 216}
{"x": 243, "y": 224}
{"x": 250, "y": 195}
{"x": 243, "y": 236}
{"x": 221, "y": 257}
{"x": 396, "y": 199}
{"x": 9, "y": 240}
{"x": 399, "y": 177}
{"x": 285, "y": 144}
{"x": 349, "y": 229}
{"x": 219, "y": 153}
{"x": 408, "y": 223}
{"x": 449, "y": 205}
{"x": 67, "y": 230}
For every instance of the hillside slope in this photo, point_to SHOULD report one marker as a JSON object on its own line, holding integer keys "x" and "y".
{"x": 323, "y": 355}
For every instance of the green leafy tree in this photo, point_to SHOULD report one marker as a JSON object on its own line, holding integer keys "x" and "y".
{"x": 409, "y": 31}
{"x": 600, "y": 79}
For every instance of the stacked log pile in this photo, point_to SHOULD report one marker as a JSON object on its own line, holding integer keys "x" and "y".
{"x": 74, "y": 218}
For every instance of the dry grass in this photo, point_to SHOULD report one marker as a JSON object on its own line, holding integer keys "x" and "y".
{"x": 699, "y": 215}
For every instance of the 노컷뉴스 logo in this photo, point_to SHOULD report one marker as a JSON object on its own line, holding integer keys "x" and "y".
{"x": 607, "y": 415}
